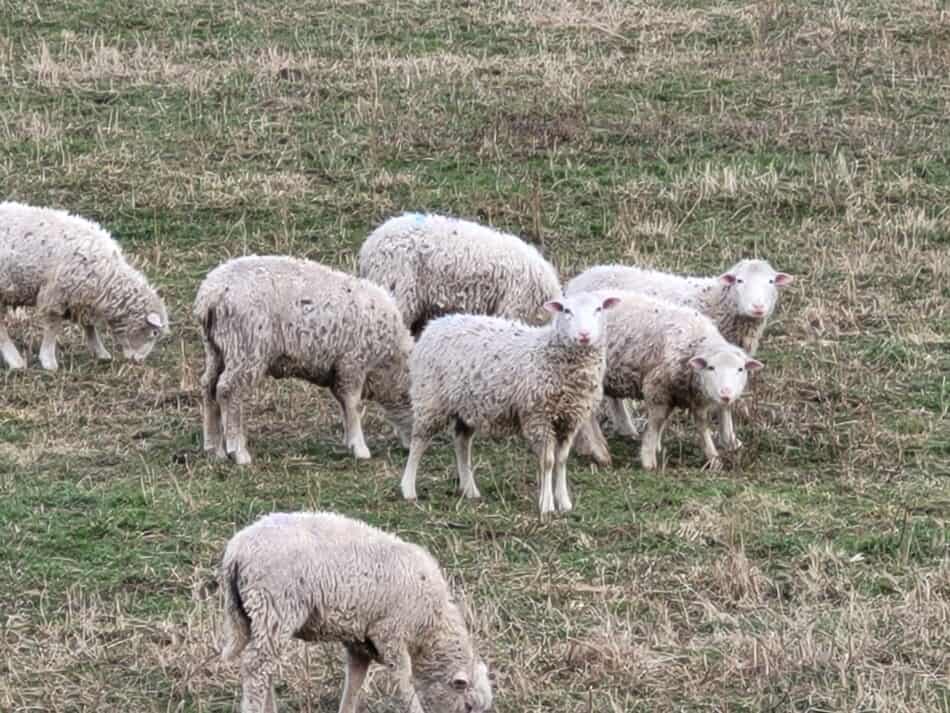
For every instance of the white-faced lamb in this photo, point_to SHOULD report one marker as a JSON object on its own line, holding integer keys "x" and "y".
{"x": 670, "y": 357}
{"x": 435, "y": 265}
{"x": 70, "y": 269}
{"x": 324, "y": 577}
{"x": 287, "y": 317}
{"x": 482, "y": 373}
{"x": 740, "y": 302}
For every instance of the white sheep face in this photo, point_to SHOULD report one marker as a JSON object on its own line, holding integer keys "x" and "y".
{"x": 724, "y": 374}
{"x": 465, "y": 692}
{"x": 756, "y": 287}
{"x": 580, "y": 319}
{"x": 138, "y": 339}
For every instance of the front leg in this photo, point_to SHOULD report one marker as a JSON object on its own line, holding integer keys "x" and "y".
{"x": 348, "y": 391}
{"x": 620, "y": 417}
{"x": 357, "y": 664}
{"x": 94, "y": 344}
{"x": 562, "y": 497}
{"x": 701, "y": 416}
{"x": 53, "y": 326}
{"x": 7, "y": 349}
{"x": 395, "y": 656}
{"x": 657, "y": 414}
{"x": 543, "y": 446}
{"x": 727, "y": 433}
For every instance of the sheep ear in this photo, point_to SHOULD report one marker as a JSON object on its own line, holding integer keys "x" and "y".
{"x": 698, "y": 363}
{"x": 753, "y": 364}
{"x": 460, "y": 682}
{"x": 610, "y": 302}
{"x": 554, "y": 306}
{"x": 727, "y": 278}
{"x": 783, "y": 278}
{"x": 154, "y": 319}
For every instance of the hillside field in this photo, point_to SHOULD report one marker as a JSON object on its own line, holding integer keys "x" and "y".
{"x": 813, "y": 574}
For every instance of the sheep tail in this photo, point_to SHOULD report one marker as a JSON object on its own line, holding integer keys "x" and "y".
{"x": 237, "y": 623}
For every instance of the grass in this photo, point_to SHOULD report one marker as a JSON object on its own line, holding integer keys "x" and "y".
{"x": 812, "y": 576}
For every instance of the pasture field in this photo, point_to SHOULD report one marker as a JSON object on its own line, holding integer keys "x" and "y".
{"x": 811, "y": 575}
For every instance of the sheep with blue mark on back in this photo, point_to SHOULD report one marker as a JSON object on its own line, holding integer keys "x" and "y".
{"x": 70, "y": 269}
{"x": 319, "y": 576}
{"x": 435, "y": 265}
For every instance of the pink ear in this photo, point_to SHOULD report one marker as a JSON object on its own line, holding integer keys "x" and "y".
{"x": 727, "y": 278}
{"x": 783, "y": 278}
{"x": 610, "y": 302}
{"x": 554, "y": 306}
{"x": 698, "y": 363}
{"x": 753, "y": 364}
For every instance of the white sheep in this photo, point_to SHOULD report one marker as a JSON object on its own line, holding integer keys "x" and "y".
{"x": 670, "y": 357}
{"x": 436, "y": 265}
{"x": 740, "y": 302}
{"x": 286, "y": 317}
{"x": 482, "y": 373}
{"x": 318, "y": 576}
{"x": 70, "y": 268}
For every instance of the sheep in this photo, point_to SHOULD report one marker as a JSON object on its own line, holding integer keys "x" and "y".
{"x": 70, "y": 268}
{"x": 670, "y": 357}
{"x": 740, "y": 302}
{"x": 485, "y": 373}
{"x": 287, "y": 317}
{"x": 319, "y": 576}
{"x": 436, "y": 265}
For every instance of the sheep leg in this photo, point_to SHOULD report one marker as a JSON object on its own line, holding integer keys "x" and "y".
{"x": 94, "y": 344}
{"x": 356, "y": 667}
{"x": 545, "y": 451}
{"x": 463, "y": 459}
{"x": 713, "y": 462}
{"x": 8, "y": 351}
{"x": 51, "y": 330}
{"x": 232, "y": 412}
{"x": 213, "y": 433}
{"x": 727, "y": 432}
{"x": 657, "y": 414}
{"x": 620, "y": 417}
{"x": 417, "y": 447}
{"x": 347, "y": 390}
{"x": 407, "y": 691}
{"x": 257, "y": 687}
{"x": 561, "y": 496}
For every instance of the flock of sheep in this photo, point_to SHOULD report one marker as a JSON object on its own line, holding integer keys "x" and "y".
{"x": 449, "y": 323}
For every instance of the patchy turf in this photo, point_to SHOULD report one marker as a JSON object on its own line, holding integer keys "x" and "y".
{"x": 813, "y": 576}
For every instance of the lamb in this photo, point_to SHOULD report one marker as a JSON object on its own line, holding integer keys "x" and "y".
{"x": 319, "y": 576}
{"x": 286, "y": 317}
{"x": 670, "y": 357}
{"x": 485, "y": 373}
{"x": 740, "y": 302}
{"x": 70, "y": 268}
{"x": 436, "y": 265}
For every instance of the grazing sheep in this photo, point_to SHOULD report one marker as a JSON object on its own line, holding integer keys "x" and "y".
{"x": 324, "y": 577}
{"x": 285, "y": 317}
{"x": 436, "y": 265}
{"x": 70, "y": 268}
{"x": 740, "y": 302}
{"x": 670, "y": 357}
{"x": 491, "y": 374}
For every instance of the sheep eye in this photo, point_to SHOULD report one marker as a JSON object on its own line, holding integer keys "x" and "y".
{"x": 567, "y": 311}
{"x": 771, "y": 282}
{"x": 710, "y": 368}
{"x": 739, "y": 281}
{"x": 597, "y": 310}
{"x": 740, "y": 368}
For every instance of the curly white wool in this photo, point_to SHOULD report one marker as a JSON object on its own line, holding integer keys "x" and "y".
{"x": 319, "y": 576}
{"x": 286, "y": 317}
{"x": 70, "y": 268}
{"x": 671, "y": 357}
{"x": 501, "y": 376}
{"x": 436, "y": 265}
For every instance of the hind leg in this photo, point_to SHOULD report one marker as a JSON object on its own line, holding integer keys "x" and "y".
{"x": 213, "y": 433}
{"x": 348, "y": 390}
{"x": 231, "y": 385}
{"x": 463, "y": 458}
{"x": 7, "y": 349}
